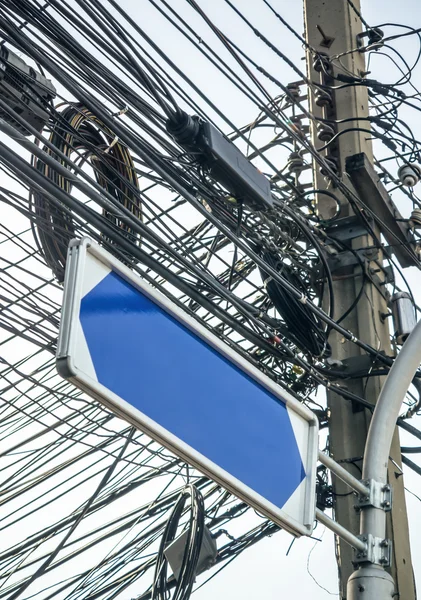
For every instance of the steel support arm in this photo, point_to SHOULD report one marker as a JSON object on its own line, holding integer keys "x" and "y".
{"x": 343, "y": 474}
{"x": 340, "y": 531}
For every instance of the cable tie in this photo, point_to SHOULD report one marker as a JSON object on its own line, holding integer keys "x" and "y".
{"x": 113, "y": 143}
{"x": 121, "y": 112}
{"x": 268, "y": 280}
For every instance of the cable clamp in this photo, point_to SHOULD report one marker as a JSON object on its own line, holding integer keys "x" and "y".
{"x": 303, "y": 299}
{"x": 268, "y": 280}
{"x": 113, "y": 143}
{"x": 378, "y": 551}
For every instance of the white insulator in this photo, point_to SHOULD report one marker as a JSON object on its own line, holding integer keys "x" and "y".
{"x": 295, "y": 163}
{"x": 409, "y": 175}
{"x": 416, "y": 218}
{"x": 404, "y": 319}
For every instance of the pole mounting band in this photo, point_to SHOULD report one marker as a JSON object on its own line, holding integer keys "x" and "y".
{"x": 378, "y": 551}
{"x": 379, "y": 496}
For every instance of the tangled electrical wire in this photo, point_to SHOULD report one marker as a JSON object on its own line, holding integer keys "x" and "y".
{"x": 106, "y": 166}
{"x": 190, "y": 557}
{"x": 77, "y": 130}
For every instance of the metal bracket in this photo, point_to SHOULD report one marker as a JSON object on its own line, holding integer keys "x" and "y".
{"x": 343, "y": 260}
{"x": 347, "y": 228}
{"x": 378, "y": 551}
{"x": 373, "y": 193}
{"x": 327, "y": 41}
{"x": 354, "y": 364}
{"x": 380, "y": 496}
{"x": 346, "y": 259}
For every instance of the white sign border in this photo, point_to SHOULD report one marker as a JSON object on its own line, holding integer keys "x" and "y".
{"x": 69, "y": 326}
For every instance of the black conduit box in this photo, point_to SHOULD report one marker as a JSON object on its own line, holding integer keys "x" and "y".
{"x": 25, "y": 91}
{"x": 234, "y": 171}
{"x": 223, "y": 160}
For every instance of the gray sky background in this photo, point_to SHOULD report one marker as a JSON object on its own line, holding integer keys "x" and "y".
{"x": 309, "y": 569}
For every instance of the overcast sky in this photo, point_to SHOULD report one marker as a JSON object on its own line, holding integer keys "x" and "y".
{"x": 280, "y": 567}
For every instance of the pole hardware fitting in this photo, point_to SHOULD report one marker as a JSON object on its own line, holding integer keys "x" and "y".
{"x": 322, "y": 62}
{"x": 378, "y": 551}
{"x": 343, "y": 260}
{"x": 294, "y": 89}
{"x": 379, "y": 496}
{"x": 323, "y": 97}
{"x": 347, "y": 228}
{"x": 409, "y": 175}
{"x": 375, "y": 37}
{"x": 295, "y": 163}
{"x": 295, "y": 94}
{"x": 327, "y": 41}
{"x": 355, "y": 365}
{"x": 331, "y": 162}
{"x": 325, "y": 132}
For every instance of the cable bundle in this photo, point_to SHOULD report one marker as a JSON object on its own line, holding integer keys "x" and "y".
{"x": 305, "y": 328}
{"x": 187, "y": 574}
{"x": 78, "y": 130}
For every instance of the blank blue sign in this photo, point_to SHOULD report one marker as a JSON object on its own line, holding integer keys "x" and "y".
{"x": 146, "y": 360}
{"x": 155, "y": 363}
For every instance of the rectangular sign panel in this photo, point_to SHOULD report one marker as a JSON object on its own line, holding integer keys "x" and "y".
{"x": 150, "y": 363}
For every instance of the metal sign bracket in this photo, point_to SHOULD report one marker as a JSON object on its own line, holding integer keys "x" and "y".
{"x": 378, "y": 551}
{"x": 379, "y": 496}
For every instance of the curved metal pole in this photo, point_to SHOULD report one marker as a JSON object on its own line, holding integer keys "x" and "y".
{"x": 386, "y": 412}
{"x": 372, "y": 582}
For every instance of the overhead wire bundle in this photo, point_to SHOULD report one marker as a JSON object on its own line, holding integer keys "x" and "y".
{"x": 86, "y": 582}
{"x": 301, "y": 322}
{"x": 202, "y": 191}
{"x": 105, "y": 166}
{"x": 186, "y": 576}
{"x": 79, "y": 130}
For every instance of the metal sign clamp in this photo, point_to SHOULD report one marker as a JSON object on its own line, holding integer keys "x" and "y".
{"x": 379, "y": 496}
{"x": 378, "y": 551}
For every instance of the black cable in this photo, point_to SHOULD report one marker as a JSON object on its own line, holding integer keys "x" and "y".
{"x": 411, "y": 449}
{"x": 62, "y": 543}
{"x": 410, "y": 463}
{"x": 186, "y": 576}
{"x": 113, "y": 158}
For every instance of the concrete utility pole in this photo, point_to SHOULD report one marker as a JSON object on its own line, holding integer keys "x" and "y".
{"x": 331, "y": 28}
